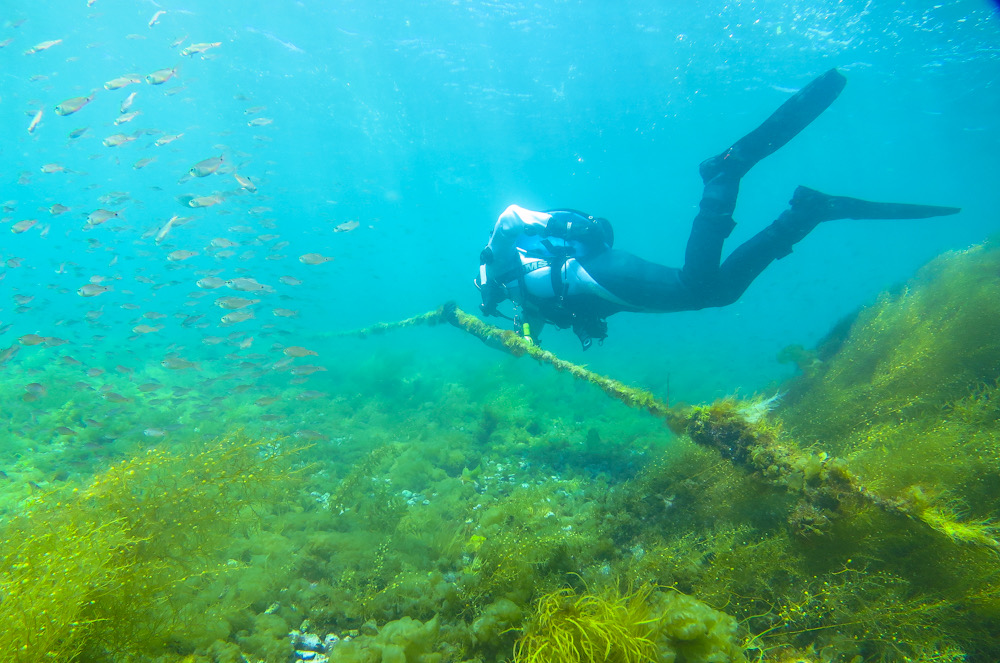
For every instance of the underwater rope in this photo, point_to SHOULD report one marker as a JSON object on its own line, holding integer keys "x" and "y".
{"x": 823, "y": 482}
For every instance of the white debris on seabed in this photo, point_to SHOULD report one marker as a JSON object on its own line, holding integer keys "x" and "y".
{"x": 413, "y": 499}
{"x": 755, "y": 410}
{"x": 323, "y": 499}
{"x": 311, "y": 647}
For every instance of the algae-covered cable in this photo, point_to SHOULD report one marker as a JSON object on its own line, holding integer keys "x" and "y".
{"x": 826, "y": 485}
{"x": 512, "y": 343}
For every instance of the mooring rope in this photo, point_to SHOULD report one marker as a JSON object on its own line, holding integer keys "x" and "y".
{"x": 827, "y": 488}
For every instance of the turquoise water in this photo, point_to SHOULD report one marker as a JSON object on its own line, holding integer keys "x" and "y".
{"x": 388, "y": 136}
{"x": 422, "y": 122}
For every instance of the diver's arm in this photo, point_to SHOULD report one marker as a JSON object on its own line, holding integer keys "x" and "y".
{"x": 561, "y": 224}
{"x": 516, "y": 221}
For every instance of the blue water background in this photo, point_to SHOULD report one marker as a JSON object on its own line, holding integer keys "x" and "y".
{"x": 422, "y": 121}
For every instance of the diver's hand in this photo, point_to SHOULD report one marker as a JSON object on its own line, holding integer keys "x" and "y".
{"x": 586, "y": 230}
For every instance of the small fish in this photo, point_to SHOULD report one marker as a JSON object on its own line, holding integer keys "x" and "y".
{"x": 237, "y": 316}
{"x": 243, "y": 181}
{"x": 97, "y": 217}
{"x": 143, "y": 162}
{"x": 74, "y": 104}
{"x": 154, "y": 432}
{"x": 210, "y": 283}
{"x": 116, "y": 140}
{"x": 92, "y": 290}
{"x": 65, "y": 430}
{"x": 31, "y": 339}
{"x": 206, "y": 167}
{"x": 201, "y": 47}
{"x": 306, "y": 369}
{"x": 50, "y": 168}
{"x": 43, "y": 46}
{"x": 116, "y": 397}
{"x": 122, "y": 81}
{"x": 314, "y": 259}
{"x": 223, "y": 243}
{"x": 299, "y": 351}
{"x": 175, "y": 363}
{"x": 127, "y": 117}
{"x": 126, "y": 104}
{"x": 22, "y": 226}
{"x": 260, "y": 122}
{"x": 233, "y": 303}
{"x": 245, "y": 284}
{"x": 203, "y": 201}
{"x": 34, "y": 122}
{"x": 161, "y": 76}
{"x": 165, "y": 229}
{"x": 180, "y": 254}
{"x": 253, "y": 110}
{"x": 56, "y": 209}
{"x": 9, "y": 353}
{"x": 146, "y": 329}
{"x": 284, "y": 313}
{"x": 76, "y": 133}
{"x": 346, "y": 226}
{"x": 289, "y": 280}
{"x": 156, "y": 17}
{"x": 167, "y": 139}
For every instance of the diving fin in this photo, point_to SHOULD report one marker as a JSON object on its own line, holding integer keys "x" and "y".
{"x": 793, "y": 116}
{"x": 819, "y": 206}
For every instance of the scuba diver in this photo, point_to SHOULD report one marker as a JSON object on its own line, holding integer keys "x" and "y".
{"x": 559, "y": 266}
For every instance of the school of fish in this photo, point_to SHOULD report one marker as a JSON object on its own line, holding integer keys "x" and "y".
{"x": 208, "y": 227}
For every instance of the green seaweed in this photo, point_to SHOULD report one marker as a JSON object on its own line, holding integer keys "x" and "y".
{"x": 447, "y": 518}
{"x": 107, "y": 570}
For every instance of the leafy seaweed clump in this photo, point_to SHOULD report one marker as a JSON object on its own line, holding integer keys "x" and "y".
{"x": 644, "y": 626}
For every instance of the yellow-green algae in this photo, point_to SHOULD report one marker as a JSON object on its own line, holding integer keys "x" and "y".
{"x": 853, "y": 523}
{"x": 117, "y": 568}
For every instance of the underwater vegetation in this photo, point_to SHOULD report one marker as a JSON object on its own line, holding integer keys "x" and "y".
{"x": 112, "y": 569}
{"x": 644, "y": 626}
{"x": 526, "y": 516}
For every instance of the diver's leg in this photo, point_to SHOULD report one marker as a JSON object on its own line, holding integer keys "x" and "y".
{"x": 783, "y": 124}
{"x": 712, "y": 225}
{"x": 721, "y": 176}
{"x": 807, "y": 209}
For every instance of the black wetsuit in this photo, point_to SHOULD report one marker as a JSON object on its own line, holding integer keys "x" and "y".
{"x": 561, "y": 267}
